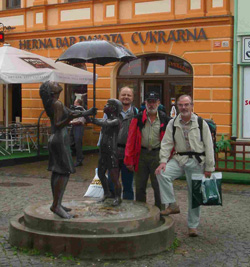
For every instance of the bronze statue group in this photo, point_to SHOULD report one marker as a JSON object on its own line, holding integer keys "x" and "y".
{"x": 140, "y": 144}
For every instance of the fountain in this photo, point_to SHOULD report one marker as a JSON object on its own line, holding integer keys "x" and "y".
{"x": 98, "y": 230}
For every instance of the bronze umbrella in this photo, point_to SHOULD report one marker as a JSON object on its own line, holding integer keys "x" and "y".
{"x": 97, "y": 52}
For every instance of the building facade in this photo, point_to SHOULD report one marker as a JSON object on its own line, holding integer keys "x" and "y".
{"x": 182, "y": 46}
{"x": 241, "y": 74}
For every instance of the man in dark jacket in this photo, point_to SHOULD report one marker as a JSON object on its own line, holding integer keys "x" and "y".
{"x": 143, "y": 145}
{"x": 76, "y": 133}
{"x": 126, "y": 96}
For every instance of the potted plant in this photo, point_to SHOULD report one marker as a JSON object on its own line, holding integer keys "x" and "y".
{"x": 223, "y": 146}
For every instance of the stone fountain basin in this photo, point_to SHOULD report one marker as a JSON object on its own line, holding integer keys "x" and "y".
{"x": 99, "y": 230}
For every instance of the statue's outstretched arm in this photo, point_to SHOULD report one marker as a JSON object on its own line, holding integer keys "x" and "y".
{"x": 85, "y": 113}
{"x": 105, "y": 122}
{"x": 58, "y": 114}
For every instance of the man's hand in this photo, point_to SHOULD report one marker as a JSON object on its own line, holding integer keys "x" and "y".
{"x": 207, "y": 174}
{"x": 162, "y": 167}
{"x": 130, "y": 167}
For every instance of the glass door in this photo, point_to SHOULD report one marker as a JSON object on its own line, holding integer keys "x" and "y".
{"x": 131, "y": 84}
{"x": 156, "y": 86}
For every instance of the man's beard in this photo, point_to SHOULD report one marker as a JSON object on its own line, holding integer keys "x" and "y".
{"x": 126, "y": 104}
{"x": 185, "y": 113}
{"x": 151, "y": 111}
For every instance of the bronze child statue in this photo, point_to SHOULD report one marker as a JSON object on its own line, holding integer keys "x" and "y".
{"x": 60, "y": 159}
{"x": 108, "y": 154}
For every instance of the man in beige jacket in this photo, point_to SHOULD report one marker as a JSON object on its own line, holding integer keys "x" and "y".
{"x": 192, "y": 155}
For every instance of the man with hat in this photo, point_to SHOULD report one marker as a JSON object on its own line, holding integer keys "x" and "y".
{"x": 146, "y": 130}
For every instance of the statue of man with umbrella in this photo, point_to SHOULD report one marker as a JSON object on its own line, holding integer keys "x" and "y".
{"x": 103, "y": 52}
{"x": 97, "y": 52}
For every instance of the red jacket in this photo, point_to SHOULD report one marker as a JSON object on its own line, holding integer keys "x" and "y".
{"x": 133, "y": 145}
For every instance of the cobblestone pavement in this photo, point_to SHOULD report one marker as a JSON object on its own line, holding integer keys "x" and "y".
{"x": 224, "y": 238}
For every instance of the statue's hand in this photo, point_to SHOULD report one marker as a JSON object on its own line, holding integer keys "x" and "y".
{"x": 93, "y": 120}
{"x": 75, "y": 114}
{"x": 91, "y": 111}
{"x": 71, "y": 115}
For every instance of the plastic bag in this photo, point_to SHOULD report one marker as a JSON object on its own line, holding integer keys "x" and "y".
{"x": 206, "y": 191}
{"x": 95, "y": 188}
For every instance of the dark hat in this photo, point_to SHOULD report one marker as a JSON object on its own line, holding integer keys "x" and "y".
{"x": 152, "y": 95}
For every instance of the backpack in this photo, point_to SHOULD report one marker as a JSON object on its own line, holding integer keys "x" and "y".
{"x": 212, "y": 127}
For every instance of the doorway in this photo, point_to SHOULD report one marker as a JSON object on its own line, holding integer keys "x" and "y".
{"x": 16, "y": 103}
{"x": 156, "y": 86}
{"x": 167, "y": 75}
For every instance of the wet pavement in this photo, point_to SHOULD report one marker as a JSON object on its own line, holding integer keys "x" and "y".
{"x": 224, "y": 238}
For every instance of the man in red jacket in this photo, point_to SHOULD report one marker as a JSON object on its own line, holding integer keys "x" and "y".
{"x": 143, "y": 145}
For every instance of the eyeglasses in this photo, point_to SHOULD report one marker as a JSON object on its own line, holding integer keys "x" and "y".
{"x": 184, "y": 105}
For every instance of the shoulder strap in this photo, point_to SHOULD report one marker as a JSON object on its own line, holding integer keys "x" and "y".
{"x": 135, "y": 110}
{"x": 200, "y": 123}
{"x": 174, "y": 128}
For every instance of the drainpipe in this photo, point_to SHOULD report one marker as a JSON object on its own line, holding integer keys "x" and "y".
{"x": 235, "y": 73}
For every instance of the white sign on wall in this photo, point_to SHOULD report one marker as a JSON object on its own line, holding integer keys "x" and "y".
{"x": 246, "y": 103}
{"x": 246, "y": 49}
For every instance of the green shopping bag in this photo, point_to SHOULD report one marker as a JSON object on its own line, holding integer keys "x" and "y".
{"x": 206, "y": 191}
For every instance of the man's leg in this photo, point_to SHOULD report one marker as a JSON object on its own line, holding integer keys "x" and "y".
{"x": 72, "y": 141}
{"x": 166, "y": 178}
{"x": 141, "y": 179}
{"x": 153, "y": 163}
{"x": 127, "y": 182}
{"x": 192, "y": 166}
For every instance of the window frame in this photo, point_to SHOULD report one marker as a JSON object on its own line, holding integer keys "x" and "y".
{"x": 18, "y": 5}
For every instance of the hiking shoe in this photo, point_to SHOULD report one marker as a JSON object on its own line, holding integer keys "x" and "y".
{"x": 192, "y": 232}
{"x": 169, "y": 211}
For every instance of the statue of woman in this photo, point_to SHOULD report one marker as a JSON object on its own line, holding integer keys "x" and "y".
{"x": 60, "y": 158}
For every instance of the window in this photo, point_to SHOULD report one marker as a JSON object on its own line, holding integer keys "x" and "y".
{"x": 72, "y": 90}
{"x": 131, "y": 84}
{"x": 131, "y": 68}
{"x": 155, "y": 66}
{"x": 70, "y": 1}
{"x": 13, "y": 4}
{"x": 168, "y": 75}
{"x": 177, "y": 66}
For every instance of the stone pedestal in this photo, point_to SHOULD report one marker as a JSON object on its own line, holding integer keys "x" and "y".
{"x": 98, "y": 230}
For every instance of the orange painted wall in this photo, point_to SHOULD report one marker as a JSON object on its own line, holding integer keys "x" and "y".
{"x": 211, "y": 61}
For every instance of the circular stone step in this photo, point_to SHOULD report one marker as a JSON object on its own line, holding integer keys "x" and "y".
{"x": 98, "y": 230}
{"x": 93, "y": 217}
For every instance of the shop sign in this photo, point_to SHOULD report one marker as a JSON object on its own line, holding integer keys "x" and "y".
{"x": 217, "y": 44}
{"x": 246, "y": 104}
{"x": 181, "y": 35}
{"x": 174, "y": 35}
{"x": 225, "y": 44}
{"x": 246, "y": 49}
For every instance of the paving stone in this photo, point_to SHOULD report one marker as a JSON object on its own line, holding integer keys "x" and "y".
{"x": 224, "y": 230}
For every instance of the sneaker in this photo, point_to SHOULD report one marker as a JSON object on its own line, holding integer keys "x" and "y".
{"x": 169, "y": 211}
{"x": 192, "y": 232}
